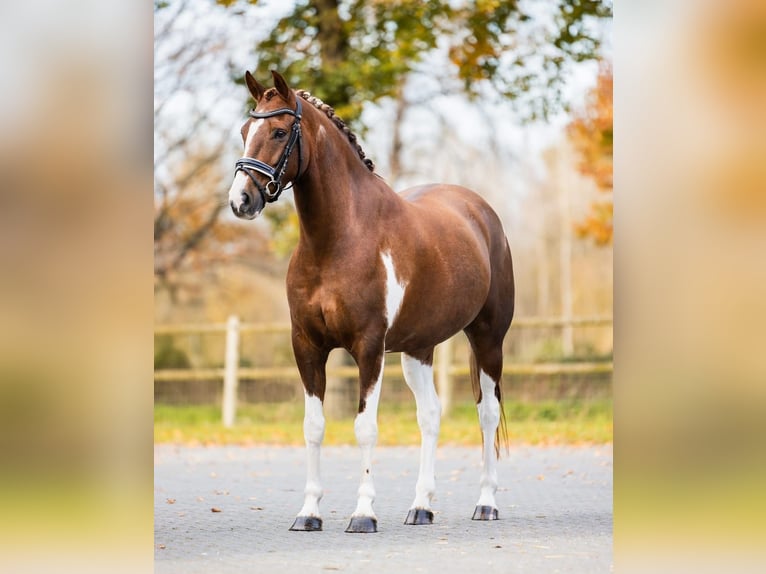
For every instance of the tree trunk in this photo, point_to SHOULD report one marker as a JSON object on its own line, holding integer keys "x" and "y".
{"x": 333, "y": 41}
{"x": 565, "y": 259}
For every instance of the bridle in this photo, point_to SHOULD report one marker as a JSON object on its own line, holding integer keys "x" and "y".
{"x": 273, "y": 188}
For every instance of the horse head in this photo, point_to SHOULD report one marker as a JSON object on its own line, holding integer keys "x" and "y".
{"x": 273, "y": 154}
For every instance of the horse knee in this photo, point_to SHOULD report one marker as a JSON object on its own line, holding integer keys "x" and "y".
{"x": 313, "y": 420}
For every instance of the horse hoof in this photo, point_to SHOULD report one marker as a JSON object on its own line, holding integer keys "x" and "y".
{"x": 362, "y": 524}
{"x": 419, "y": 516}
{"x": 306, "y": 524}
{"x": 485, "y": 513}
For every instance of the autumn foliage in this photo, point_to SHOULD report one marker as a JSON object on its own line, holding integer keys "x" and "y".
{"x": 591, "y": 133}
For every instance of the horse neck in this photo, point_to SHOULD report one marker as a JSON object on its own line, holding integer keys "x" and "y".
{"x": 335, "y": 194}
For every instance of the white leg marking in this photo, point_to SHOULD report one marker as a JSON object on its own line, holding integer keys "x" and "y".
{"x": 313, "y": 432}
{"x": 489, "y": 418}
{"x": 420, "y": 378}
{"x": 394, "y": 289}
{"x": 366, "y": 429}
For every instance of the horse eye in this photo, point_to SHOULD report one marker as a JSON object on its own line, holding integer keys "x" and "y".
{"x": 279, "y": 134}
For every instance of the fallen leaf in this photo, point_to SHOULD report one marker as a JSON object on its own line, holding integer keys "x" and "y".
{"x": 161, "y": 546}
{"x": 540, "y": 477}
{"x": 256, "y": 508}
{"x": 170, "y": 500}
{"x": 214, "y": 509}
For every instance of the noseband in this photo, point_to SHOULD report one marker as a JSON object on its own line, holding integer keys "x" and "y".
{"x": 273, "y": 188}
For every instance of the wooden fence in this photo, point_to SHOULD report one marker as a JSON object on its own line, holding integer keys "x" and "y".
{"x": 445, "y": 369}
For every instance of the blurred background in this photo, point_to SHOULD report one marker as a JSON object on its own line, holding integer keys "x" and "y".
{"x": 78, "y": 266}
{"x": 510, "y": 99}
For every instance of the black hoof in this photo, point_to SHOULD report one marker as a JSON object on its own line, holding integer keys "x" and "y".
{"x": 362, "y": 524}
{"x": 307, "y": 524}
{"x": 419, "y": 516}
{"x": 485, "y": 513}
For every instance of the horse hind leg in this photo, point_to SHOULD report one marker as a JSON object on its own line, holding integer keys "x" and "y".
{"x": 419, "y": 376}
{"x": 486, "y": 370}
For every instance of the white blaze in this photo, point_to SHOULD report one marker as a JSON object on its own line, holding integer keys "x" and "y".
{"x": 235, "y": 191}
{"x": 251, "y": 133}
{"x": 240, "y": 180}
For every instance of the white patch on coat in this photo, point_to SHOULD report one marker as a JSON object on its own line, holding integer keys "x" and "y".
{"x": 366, "y": 430}
{"x": 394, "y": 289}
{"x": 313, "y": 432}
{"x": 489, "y": 419}
{"x": 420, "y": 378}
{"x": 320, "y": 134}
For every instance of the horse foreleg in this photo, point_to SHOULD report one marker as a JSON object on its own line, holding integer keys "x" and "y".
{"x": 366, "y": 429}
{"x": 313, "y": 432}
{"x": 312, "y": 368}
{"x": 419, "y": 376}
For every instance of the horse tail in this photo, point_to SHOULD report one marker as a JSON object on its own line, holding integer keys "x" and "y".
{"x": 501, "y": 435}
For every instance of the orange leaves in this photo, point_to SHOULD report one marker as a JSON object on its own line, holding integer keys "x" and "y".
{"x": 597, "y": 224}
{"x": 591, "y": 133}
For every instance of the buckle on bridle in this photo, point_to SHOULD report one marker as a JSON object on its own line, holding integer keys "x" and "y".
{"x": 272, "y": 195}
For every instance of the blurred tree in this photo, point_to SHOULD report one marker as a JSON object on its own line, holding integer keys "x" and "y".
{"x": 591, "y": 133}
{"x": 189, "y": 232}
{"x": 349, "y": 52}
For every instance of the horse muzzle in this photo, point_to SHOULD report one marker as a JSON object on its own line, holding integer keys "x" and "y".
{"x": 247, "y": 205}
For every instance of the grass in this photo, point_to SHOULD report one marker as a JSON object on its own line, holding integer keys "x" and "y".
{"x": 569, "y": 422}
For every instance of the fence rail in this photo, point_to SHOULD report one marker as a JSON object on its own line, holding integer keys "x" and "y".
{"x": 444, "y": 367}
{"x": 284, "y": 326}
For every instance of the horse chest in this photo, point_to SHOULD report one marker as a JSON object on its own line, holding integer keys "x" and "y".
{"x": 352, "y": 299}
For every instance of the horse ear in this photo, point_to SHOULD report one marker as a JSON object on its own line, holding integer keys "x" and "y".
{"x": 281, "y": 85}
{"x": 256, "y": 89}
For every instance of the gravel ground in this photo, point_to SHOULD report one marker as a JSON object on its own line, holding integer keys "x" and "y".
{"x": 555, "y": 508}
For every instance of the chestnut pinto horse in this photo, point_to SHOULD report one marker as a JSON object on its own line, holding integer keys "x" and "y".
{"x": 376, "y": 271}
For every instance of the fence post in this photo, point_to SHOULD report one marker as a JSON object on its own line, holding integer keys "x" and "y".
{"x": 443, "y": 362}
{"x": 231, "y": 367}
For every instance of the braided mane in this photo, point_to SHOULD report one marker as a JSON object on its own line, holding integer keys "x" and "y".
{"x": 341, "y": 125}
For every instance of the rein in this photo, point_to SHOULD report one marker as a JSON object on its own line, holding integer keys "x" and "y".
{"x": 273, "y": 188}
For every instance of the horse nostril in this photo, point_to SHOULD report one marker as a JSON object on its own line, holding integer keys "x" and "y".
{"x": 245, "y": 199}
